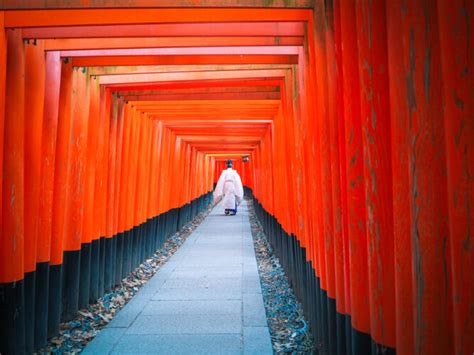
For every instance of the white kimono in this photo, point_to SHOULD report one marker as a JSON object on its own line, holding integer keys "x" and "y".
{"x": 229, "y": 186}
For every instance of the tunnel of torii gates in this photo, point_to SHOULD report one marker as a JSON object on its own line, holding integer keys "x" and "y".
{"x": 357, "y": 118}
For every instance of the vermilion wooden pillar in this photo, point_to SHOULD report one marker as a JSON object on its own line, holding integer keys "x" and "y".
{"x": 89, "y": 281}
{"x": 326, "y": 241}
{"x": 376, "y": 153}
{"x": 317, "y": 229}
{"x": 356, "y": 209}
{"x": 111, "y": 167}
{"x": 376, "y": 138}
{"x": 124, "y": 181}
{"x": 118, "y": 242}
{"x": 132, "y": 167}
{"x": 34, "y": 103}
{"x": 12, "y": 327}
{"x": 427, "y": 177}
{"x": 45, "y": 223}
{"x": 137, "y": 146}
{"x": 98, "y": 227}
{"x": 75, "y": 194}
{"x": 3, "y": 73}
{"x": 401, "y": 190}
{"x": 343, "y": 177}
{"x": 105, "y": 111}
{"x": 456, "y": 23}
{"x": 296, "y": 142}
{"x": 425, "y": 154}
{"x": 59, "y": 198}
{"x": 334, "y": 113}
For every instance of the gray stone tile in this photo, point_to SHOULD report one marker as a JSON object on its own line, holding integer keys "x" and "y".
{"x": 187, "y": 324}
{"x": 210, "y": 264}
{"x": 104, "y": 342}
{"x": 193, "y": 307}
{"x": 204, "y": 282}
{"x": 254, "y": 310}
{"x": 151, "y": 287}
{"x": 126, "y": 316}
{"x": 196, "y": 273}
{"x": 251, "y": 285}
{"x": 257, "y": 341}
{"x": 250, "y": 268}
{"x": 170, "y": 294}
{"x": 225, "y": 344}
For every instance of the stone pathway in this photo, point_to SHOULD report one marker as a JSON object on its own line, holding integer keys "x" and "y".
{"x": 205, "y": 300}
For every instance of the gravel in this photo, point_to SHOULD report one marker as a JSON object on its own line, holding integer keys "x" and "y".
{"x": 289, "y": 329}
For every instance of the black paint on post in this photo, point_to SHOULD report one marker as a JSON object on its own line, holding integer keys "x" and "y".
{"x": 71, "y": 272}
{"x": 160, "y": 231}
{"x": 151, "y": 236}
{"x": 85, "y": 275}
{"x": 12, "y": 315}
{"x": 108, "y": 264}
{"x": 141, "y": 238}
{"x": 380, "y": 349}
{"x": 155, "y": 235}
{"x": 341, "y": 333}
{"x": 361, "y": 342}
{"x": 41, "y": 308}
{"x": 95, "y": 271}
{"x": 141, "y": 243}
{"x": 55, "y": 299}
{"x": 331, "y": 304}
{"x": 101, "y": 267}
{"x": 113, "y": 260}
{"x": 319, "y": 318}
{"x": 144, "y": 250}
{"x": 167, "y": 225}
{"x": 30, "y": 301}
{"x": 134, "y": 244}
{"x": 119, "y": 258}
{"x": 348, "y": 333}
{"x": 126, "y": 263}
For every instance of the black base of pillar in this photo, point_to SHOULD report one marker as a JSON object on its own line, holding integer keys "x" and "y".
{"x": 119, "y": 258}
{"x": 30, "y": 302}
{"x": 361, "y": 342}
{"x": 348, "y": 329}
{"x": 85, "y": 275}
{"x": 55, "y": 299}
{"x": 95, "y": 271}
{"x": 127, "y": 254}
{"x": 12, "y": 315}
{"x": 341, "y": 333}
{"x": 108, "y": 244}
{"x": 101, "y": 267}
{"x": 71, "y": 272}
{"x": 41, "y": 309}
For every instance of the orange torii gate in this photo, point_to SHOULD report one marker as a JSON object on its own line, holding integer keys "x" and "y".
{"x": 357, "y": 118}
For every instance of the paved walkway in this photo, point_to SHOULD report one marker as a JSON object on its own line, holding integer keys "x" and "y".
{"x": 205, "y": 300}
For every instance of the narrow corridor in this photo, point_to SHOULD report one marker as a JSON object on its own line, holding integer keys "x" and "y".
{"x": 350, "y": 123}
{"x": 205, "y": 299}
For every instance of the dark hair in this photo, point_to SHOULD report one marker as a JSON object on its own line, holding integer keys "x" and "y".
{"x": 229, "y": 163}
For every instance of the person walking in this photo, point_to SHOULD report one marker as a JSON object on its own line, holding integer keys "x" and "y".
{"x": 229, "y": 186}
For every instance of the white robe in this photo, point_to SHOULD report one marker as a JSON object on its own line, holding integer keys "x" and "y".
{"x": 229, "y": 186}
